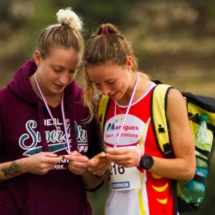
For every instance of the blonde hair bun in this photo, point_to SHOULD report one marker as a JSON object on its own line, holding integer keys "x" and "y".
{"x": 70, "y": 18}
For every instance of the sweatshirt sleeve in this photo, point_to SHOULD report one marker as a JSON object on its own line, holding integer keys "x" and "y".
{"x": 4, "y": 112}
{"x": 95, "y": 138}
{"x": 1, "y": 122}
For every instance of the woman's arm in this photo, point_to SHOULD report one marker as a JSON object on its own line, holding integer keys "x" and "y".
{"x": 38, "y": 164}
{"x": 92, "y": 182}
{"x": 98, "y": 171}
{"x": 10, "y": 169}
{"x": 184, "y": 164}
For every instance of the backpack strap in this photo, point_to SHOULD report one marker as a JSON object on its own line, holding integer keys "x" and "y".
{"x": 104, "y": 103}
{"x": 159, "y": 118}
{"x": 161, "y": 129}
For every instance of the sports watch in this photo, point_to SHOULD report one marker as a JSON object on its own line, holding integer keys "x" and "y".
{"x": 146, "y": 162}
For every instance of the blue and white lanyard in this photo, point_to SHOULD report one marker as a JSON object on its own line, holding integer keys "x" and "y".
{"x": 127, "y": 110}
{"x": 50, "y": 114}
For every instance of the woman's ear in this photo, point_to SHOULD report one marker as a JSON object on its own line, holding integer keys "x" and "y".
{"x": 37, "y": 57}
{"x": 129, "y": 62}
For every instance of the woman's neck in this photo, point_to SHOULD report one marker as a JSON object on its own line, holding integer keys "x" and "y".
{"x": 141, "y": 88}
{"x": 52, "y": 99}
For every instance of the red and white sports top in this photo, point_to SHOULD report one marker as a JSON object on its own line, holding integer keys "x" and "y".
{"x": 154, "y": 195}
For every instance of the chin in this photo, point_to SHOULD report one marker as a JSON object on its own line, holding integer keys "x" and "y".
{"x": 114, "y": 97}
{"x": 117, "y": 98}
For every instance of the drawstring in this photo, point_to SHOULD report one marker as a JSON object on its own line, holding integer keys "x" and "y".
{"x": 42, "y": 127}
{"x": 70, "y": 111}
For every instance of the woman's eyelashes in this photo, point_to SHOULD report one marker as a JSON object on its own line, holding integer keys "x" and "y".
{"x": 57, "y": 70}
{"x": 73, "y": 71}
{"x": 110, "y": 82}
{"x": 96, "y": 84}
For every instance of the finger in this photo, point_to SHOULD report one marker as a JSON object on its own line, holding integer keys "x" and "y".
{"x": 99, "y": 172}
{"x": 78, "y": 168}
{"x": 48, "y": 154}
{"x": 71, "y": 155}
{"x": 76, "y": 153}
{"x": 94, "y": 162}
{"x": 118, "y": 151}
{"x": 62, "y": 156}
{"x": 81, "y": 159}
{"x": 102, "y": 167}
{"x": 103, "y": 155}
{"x": 76, "y": 156}
{"x": 52, "y": 160}
{"x": 114, "y": 158}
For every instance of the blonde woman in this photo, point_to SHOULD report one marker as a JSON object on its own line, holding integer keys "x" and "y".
{"x": 45, "y": 142}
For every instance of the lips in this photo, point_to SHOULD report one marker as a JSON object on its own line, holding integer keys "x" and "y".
{"x": 58, "y": 86}
{"x": 112, "y": 95}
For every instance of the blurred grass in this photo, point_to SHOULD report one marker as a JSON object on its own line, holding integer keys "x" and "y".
{"x": 43, "y": 15}
{"x": 98, "y": 198}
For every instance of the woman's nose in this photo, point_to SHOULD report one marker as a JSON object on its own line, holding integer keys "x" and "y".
{"x": 105, "y": 90}
{"x": 64, "y": 78}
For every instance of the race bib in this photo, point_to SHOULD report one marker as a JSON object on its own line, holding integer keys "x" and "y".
{"x": 124, "y": 178}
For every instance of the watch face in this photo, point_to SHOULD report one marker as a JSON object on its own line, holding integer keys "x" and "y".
{"x": 146, "y": 162}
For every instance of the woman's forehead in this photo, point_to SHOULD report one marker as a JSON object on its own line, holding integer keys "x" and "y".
{"x": 104, "y": 72}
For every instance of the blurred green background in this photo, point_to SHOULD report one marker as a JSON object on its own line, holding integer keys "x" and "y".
{"x": 174, "y": 41}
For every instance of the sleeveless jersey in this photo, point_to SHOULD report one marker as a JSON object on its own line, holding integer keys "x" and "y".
{"x": 154, "y": 196}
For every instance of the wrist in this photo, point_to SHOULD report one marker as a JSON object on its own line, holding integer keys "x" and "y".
{"x": 25, "y": 166}
{"x": 138, "y": 160}
{"x": 146, "y": 162}
{"x": 105, "y": 172}
{"x": 21, "y": 164}
{"x": 106, "y": 175}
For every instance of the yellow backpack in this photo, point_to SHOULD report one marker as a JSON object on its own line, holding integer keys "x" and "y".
{"x": 189, "y": 195}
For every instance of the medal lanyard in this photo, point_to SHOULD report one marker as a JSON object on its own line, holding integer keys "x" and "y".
{"x": 128, "y": 108}
{"x": 50, "y": 114}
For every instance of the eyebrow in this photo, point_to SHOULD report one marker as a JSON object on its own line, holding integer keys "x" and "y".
{"x": 111, "y": 79}
{"x": 64, "y": 68}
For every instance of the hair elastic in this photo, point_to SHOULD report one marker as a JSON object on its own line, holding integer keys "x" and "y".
{"x": 64, "y": 23}
{"x": 105, "y": 31}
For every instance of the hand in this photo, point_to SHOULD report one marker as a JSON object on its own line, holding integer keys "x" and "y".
{"x": 123, "y": 156}
{"x": 98, "y": 165}
{"x": 40, "y": 163}
{"x": 77, "y": 163}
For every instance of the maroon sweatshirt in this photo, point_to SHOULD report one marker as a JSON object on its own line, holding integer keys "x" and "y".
{"x": 25, "y": 129}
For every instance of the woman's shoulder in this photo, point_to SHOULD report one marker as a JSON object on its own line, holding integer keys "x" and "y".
{"x": 175, "y": 96}
{"x": 4, "y": 94}
{"x": 176, "y": 105}
{"x": 73, "y": 92}
{"x": 5, "y": 102}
